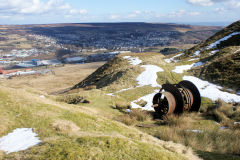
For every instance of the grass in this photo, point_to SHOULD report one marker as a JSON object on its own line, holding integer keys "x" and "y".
{"x": 70, "y": 132}
{"x": 54, "y": 83}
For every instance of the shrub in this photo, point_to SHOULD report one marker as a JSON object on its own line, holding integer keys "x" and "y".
{"x": 126, "y": 119}
{"x": 122, "y": 105}
{"x": 72, "y": 99}
{"x": 140, "y": 115}
{"x": 141, "y": 103}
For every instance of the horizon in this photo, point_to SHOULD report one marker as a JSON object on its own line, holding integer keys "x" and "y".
{"x": 108, "y": 11}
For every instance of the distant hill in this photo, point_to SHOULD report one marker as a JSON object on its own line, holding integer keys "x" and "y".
{"x": 221, "y": 57}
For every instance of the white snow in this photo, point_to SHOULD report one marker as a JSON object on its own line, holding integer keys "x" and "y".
{"x": 223, "y": 127}
{"x": 148, "y": 98}
{"x": 213, "y": 52}
{"x": 19, "y": 139}
{"x": 214, "y": 45}
{"x": 181, "y": 69}
{"x": 236, "y": 123}
{"x": 126, "y": 89}
{"x": 172, "y": 59}
{"x": 122, "y": 90}
{"x": 196, "y": 53}
{"x": 42, "y": 96}
{"x": 133, "y": 60}
{"x": 194, "y": 131}
{"x": 238, "y": 92}
{"x": 237, "y": 51}
{"x": 212, "y": 91}
{"x": 110, "y": 94}
{"x": 198, "y": 64}
{"x": 149, "y": 76}
{"x": 193, "y": 59}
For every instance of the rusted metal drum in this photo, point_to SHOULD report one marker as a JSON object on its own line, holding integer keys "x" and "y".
{"x": 177, "y": 98}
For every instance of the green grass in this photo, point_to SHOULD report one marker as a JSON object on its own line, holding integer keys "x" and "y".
{"x": 72, "y": 131}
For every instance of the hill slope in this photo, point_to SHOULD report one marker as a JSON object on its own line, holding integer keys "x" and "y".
{"x": 75, "y": 132}
{"x": 221, "y": 57}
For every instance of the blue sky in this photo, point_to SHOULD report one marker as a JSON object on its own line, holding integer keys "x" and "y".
{"x": 77, "y": 11}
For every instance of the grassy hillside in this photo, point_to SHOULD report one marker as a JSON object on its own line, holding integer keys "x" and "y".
{"x": 221, "y": 62}
{"x": 74, "y": 132}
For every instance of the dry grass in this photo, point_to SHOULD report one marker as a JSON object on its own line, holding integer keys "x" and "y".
{"x": 135, "y": 116}
{"x": 122, "y": 105}
{"x": 64, "y": 77}
{"x": 65, "y": 126}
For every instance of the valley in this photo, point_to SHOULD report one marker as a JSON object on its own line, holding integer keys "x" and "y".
{"x": 103, "y": 109}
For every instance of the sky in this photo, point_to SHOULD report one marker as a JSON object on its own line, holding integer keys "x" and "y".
{"x": 83, "y": 11}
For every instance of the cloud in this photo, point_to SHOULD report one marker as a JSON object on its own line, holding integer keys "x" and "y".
{"x": 220, "y": 10}
{"x": 228, "y": 3}
{"x": 37, "y": 7}
{"x": 181, "y": 13}
{"x": 201, "y": 2}
{"x": 134, "y": 14}
{"x": 114, "y": 16}
{"x": 234, "y": 3}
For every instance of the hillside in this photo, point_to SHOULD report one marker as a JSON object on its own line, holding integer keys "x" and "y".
{"x": 221, "y": 57}
{"x": 132, "y": 79}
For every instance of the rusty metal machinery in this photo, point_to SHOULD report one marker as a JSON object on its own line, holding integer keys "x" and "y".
{"x": 177, "y": 98}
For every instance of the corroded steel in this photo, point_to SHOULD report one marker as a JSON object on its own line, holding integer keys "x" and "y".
{"x": 177, "y": 98}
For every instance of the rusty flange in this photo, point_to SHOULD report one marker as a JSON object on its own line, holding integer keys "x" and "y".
{"x": 195, "y": 93}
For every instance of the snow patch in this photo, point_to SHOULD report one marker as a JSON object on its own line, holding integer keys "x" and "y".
{"x": 181, "y": 69}
{"x": 196, "y": 53}
{"x": 172, "y": 59}
{"x": 198, "y": 64}
{"x": 133, "y": 60}
{"x": 212, "y": 91}
{"x": 238, "y": 92}
{"x": 193, "y": 59}
{"x": 149, "y": 76}
{"x": 19, "y": 139}
{"x": 194, "y": 131}
{"x": 213, "y": 52}
{"x": 214, "y": 45}
{"x": 148, "y": 98}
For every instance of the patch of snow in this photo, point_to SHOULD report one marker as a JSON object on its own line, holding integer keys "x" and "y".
{"x": 237, "y": 51}
{"x": 196, "y": 53}
{"x": 128, "y": 110}
{"x": 133, "y": 60}
{"x": 19, "y": 139}
{"x": 212, "y": 91}
{"x": 181, "y": 69}
{"x": 238, "y": 92}
{"x": 236, "y": 123}
{"x": 198, "y": 64}
{"x": 110, "y": 94}
{"x": 193, "y": 59}
{"x": 126, "y": 89}
{"x": 148, "y": 98}
{"x": 223, "y": 127}
{"x": 42, "y": 96}
{"x": 214, "y": 45}
{"x": 149, "y": 76}
{"x": 213, "y": 52}
{"x": 172, "y": 59}
{"x": 194, "y": 130}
